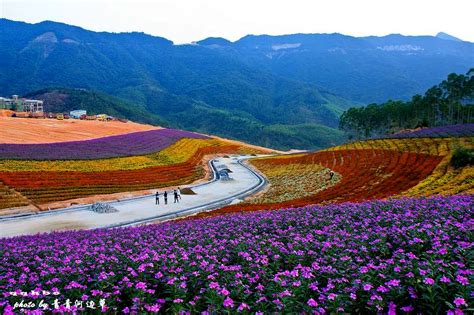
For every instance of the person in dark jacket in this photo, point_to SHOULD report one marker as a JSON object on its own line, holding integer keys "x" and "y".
{"x": 165, "y": 195}
{"x": 176, "y": 197}
{"x": 157, "y": 198}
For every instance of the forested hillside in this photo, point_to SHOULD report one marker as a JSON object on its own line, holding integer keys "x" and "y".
{"x": 364, "y": 69}
{"x": 448, "y": 103}
{"x": 187, "y": 86}
{"x": 278, "y": 91}
{"x": 59, "y": 100}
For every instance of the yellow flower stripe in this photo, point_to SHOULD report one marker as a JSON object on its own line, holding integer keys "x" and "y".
{"x": 291, "y": 181}
{"x": 279, "y": 157}
{"x": 445, "y": 180}
{"x": 434, "y": 146}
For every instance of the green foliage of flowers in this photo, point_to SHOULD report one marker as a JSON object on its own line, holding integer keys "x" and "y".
{"x": 462, "y": 157}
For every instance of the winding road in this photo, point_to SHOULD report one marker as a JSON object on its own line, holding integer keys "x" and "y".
{"x": 140, "y": 210}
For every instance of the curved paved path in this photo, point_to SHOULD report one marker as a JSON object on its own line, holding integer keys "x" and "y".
{"x": 133, "y": 211}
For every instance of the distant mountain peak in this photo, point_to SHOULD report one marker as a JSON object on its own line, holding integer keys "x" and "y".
{"x": 446, "y": 36}
{"x": 210, "y": 41}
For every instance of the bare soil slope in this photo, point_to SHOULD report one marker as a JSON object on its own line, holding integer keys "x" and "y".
{"x": 28, "y": 130}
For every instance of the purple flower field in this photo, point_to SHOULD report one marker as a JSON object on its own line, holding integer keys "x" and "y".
{"x": 396, "y": 256}
{"x": 137, "y": 143}
{"x": 465, "y": 130}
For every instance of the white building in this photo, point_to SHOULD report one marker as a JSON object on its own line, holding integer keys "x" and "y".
{"x": 33, "y": 106}
{"x": 77, "y": 113}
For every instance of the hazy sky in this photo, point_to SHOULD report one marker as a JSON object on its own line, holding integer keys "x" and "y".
{"x": 183, "y": 21}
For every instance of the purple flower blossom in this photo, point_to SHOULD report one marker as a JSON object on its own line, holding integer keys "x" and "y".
{"x": 445, "y": 279}
{"x": 392, "y": 309}
{"x": 214, "y": 285}
{"x": 393, "y": 283}
{"x": 428, "y": 281}
{"x": 462, "y": 280}
{"x": 243, "y": 307}
{"x": 464, "y": 130}
{"x": 224, "y": 292}
{"x": 312, "y": 303}
{"x": 153, "y": 308}
{"x": 459, "y": 302}
{"x": 407, "y": 309}
{"x": 141, "y": 285}
{"x": 313, "y": 286}
{"x": 332, "y": 296}
{"x": 228, "y": 302}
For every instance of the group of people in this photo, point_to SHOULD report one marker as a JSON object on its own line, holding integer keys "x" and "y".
{"x": 176, "y": 195}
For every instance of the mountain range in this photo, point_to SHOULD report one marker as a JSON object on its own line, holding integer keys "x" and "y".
{"x": 278, "y": 91}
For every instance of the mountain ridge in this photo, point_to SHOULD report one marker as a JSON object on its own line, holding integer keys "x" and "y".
{"x": 286, "y": 89}
{"x": 364, "y": 69}
{"x": 446, "y": 36}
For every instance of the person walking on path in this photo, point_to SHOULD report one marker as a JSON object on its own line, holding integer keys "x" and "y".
{"x": 176, "y": 197}
{"x": 165, "y": 195}
{"x": 157, "y": 198}
{"x": 179, "y": 193}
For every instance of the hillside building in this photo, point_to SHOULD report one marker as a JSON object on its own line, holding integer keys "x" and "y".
{"x": 76, "y": 114}
{"x": 33, "y": 106}
{"x": 21, "y": 104}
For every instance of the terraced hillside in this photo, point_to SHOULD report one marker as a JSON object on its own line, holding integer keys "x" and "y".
{"x": 10, "y": 198}
{"x": 417, "y": 165}
{"x": 51, "y": 172}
